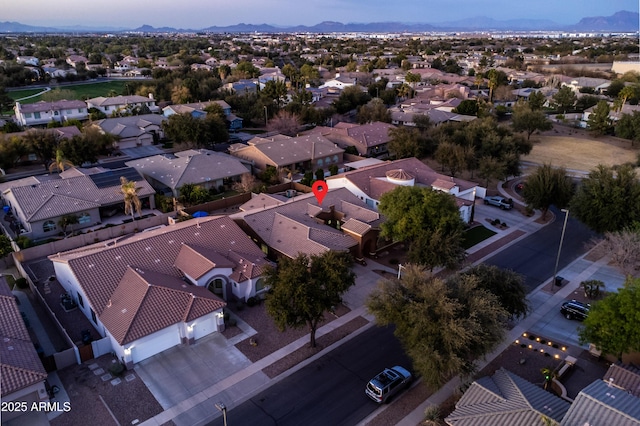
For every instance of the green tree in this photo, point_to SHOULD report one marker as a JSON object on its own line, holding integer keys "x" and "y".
{"x": 599, "y": 122}
{"x": 417, "y": 214}
{"x": 43, "y": 143}
{"x": 547, "y": 186}
{"x": 524, "y": 119}
{"x": 131, "y": 199}
{"x": 412, "y": 79}
{"x": 451, "y": 156}
{"x": 350, "y": 98}
{"x": 492, "y": 75}
{"x": 275, "y": 92}
{"x": 12, "y": 148}
{"x": 6, "y": 102}
{"x": 66, "y": 221}
{"x": 60, "y": 162}
{"x": 443, "y": 326}
{"x": 467, "y": 107}
{"x": 612, "y": 323}
{"x": 628, "y": 127}
{"x": 404, "y": 142}
{"x": 608, "y": 200}
{"x": 304, "y": 288}
{"x": 374, "y": 110}
{"x": 564, "y": 99}
{"x": 507, "y": 285}
{"x": 536, "y": 100}
{"x": 5, "y": 246}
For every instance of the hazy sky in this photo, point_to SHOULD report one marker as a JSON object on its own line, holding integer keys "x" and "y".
{"x": 196, "y": 14}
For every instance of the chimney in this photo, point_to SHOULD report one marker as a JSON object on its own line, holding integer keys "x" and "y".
{"x": 150, "y": 95}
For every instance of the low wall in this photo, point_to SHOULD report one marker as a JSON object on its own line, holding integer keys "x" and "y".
{"x": 101, "y": 347}
{"x": 65, "y": 358}
{"x": 90, "y": 237}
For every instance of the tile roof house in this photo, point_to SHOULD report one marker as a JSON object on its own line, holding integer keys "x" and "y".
{"x": 603, "y": 404}
{"x": 369, "y": 139}
{"x": 624, "y": 376}
{"x": 301, "y": 225}
{"x": 135, "y": 130}
{"x": 197, "y": 109}
{"x": 506, "y": 399}
{"x": 43, "y": 112}
{"x": 160, "y": 288}
{"x": 339, "y": 82}
{"x": 86, "y": 193}
{"x": 369, "y": 183}
{"x": 301, "y": 153}
{"x": 242, "y": 86}
{"x": 22, "y": 375}
{"x": 109, "y": 105}
{"x": 205, "y": 168}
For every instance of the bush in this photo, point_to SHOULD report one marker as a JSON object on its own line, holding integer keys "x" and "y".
{"x": 116, "y": 369}
{"x": 22, "y": 283}
{"x": 251, "y": 302}
{"x": 232, "y": 322}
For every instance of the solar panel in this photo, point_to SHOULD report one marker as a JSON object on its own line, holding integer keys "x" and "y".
{"x": 112, "y": 177}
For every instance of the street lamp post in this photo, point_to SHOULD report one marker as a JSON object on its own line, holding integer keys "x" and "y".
{"x": 564, "y": 227}
{"x": 265, "y": 115}
{"x": 399, "y": 269}
{"x": 223, "y": 409}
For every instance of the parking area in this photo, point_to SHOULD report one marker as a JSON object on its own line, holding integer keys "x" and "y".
{"x": 554, "y": 325}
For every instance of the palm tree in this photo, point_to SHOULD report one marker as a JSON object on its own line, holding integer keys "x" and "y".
{"x": 60, "y": 163}
{"x": 131, "y": 199}
{"x": 493, "y": 83}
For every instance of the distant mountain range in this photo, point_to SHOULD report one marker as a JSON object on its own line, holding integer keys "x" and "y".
{"x": 623, "y": 21}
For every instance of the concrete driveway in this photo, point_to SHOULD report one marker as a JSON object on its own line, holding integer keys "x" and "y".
{"x": 183, "y": 371}
{"x": 555, "y": 326}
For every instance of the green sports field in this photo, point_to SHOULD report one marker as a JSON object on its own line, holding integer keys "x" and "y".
{"x": 81, "y": 91}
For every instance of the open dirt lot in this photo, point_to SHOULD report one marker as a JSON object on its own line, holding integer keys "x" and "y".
{"x": 576, "y": 149}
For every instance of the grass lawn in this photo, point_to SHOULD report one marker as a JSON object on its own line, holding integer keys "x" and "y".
{"x": 475, "y": 235}
{"x": 580, "y": 153}
{"x": 81, "y": 91}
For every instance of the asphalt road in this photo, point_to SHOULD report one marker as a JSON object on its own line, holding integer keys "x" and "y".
{"x": 329, "y": 391}
{"x": 535, "y": 256}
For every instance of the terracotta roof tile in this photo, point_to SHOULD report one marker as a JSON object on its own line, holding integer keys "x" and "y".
{"x": 20, "y": 366}
{"x": 292, "y": 228}
{"x": 197, "y": 261}
{"x": 99, "y": 269}
{"x": 146, "y": 302}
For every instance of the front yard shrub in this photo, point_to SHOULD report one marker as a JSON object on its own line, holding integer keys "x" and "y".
{"x": 22, "y": 283}
{"x": 116, "y": 369}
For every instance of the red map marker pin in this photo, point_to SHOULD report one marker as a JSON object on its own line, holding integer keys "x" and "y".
{"x": 319, "y": 188}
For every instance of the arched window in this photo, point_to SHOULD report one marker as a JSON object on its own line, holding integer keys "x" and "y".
{"x": 319, "y": 162}
{"x": 84, "y": 218}
{"x": 335, "y": 159}
{"x": 49, "y": 226}
{"x": 215, "y": 285}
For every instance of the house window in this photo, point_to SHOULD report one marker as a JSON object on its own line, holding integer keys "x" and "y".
{"x": 84, "y": 218}
{"x": 69, "y": 111}
{"x": 215, "y": 285}
{"x": 36, "y": 115}
{"x": 80, "y": 110}
{"x": 335, "y": 158}
{"x": 49, "y": 226}
{"x": 319, "y": 162}
{"x": 106, "y": 108}
{"x": 27, "y": 115}
{"x": 80, "y": 301}
{"x": 56, "y": 113}
{"x": 93, "y": 317}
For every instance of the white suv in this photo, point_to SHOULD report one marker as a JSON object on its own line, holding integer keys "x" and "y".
{"x": 386, "y": 384}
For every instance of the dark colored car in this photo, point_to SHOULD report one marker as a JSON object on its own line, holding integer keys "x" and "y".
{"x": 575, "y": 310}
{"x": 386, "y": 384}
